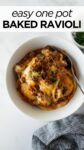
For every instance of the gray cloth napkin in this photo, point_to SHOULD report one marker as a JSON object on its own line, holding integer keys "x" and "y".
{"x": 66, "y": 134}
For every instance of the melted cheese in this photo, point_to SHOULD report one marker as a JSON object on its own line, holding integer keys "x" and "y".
{"x": 26, "y": 73}
{"x": 26, "y": 91}
{"x": 49, "y": 89}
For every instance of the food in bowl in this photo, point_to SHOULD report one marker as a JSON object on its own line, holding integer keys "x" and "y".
{"x": 44, "y": 78}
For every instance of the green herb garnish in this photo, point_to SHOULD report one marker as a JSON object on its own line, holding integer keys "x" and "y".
{"x": 53, "y": 79}
{"x": 40, "y": 55}
{"x": 35, "y": 74}
{"x": 79, "y": 37}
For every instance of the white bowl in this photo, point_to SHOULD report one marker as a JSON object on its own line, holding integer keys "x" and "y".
{"x": 30, "y": 45}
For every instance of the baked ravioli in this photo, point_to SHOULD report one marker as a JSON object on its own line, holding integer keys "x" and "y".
{"x": 44, "y": 78}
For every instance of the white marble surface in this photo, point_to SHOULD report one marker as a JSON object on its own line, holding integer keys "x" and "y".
{"x": 42, "y": 2}
{"x": 16, "y": 129}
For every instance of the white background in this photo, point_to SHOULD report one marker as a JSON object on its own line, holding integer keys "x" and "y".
{"x": 60, "y": 13}
{"x": 16, "y": 128}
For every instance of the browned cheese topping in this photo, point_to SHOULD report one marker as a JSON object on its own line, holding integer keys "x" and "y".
{"x": 44, "y": 78}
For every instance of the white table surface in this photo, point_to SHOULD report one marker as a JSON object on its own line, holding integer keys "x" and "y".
{"x": 16, "y": 128}
{"x": 42, "y": 2}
